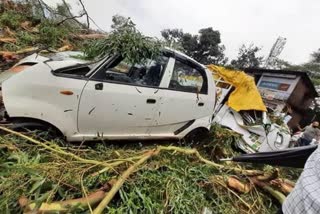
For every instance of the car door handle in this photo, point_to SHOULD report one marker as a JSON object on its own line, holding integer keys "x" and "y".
{"x": 98, "y": 86}
{"x": 151, "y": 101}
{"x": 200, "y": 104}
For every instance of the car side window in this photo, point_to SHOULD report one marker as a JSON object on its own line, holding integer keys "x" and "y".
{"x": 187, "y": 78}
{"x": 148, "y": 73}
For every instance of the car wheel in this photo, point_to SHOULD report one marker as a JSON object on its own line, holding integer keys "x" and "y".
{"x": 2, "y": 113}
{"x": 196, "y": 136}
{"x": 37, "y": 130}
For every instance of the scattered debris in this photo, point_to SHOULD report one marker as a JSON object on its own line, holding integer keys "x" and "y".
{"x": 144, "y": 175}
{"x": 8, "y": 40}
{"x": 64, "y": 206}
{"x": 24, "y": 31}
{"x": 234, "y": 183}
{"x": 250, "y": 119}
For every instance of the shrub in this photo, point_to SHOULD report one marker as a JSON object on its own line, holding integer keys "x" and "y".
{"x": 10, "y": 19}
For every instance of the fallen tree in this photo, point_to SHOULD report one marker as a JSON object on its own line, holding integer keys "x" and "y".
{"x": 268, "y": 181}
{"x": 33, "y": 26}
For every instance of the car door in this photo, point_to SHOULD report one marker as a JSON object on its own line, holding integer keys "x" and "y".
{"x": 120, "y": 99}
{"x": 184, "y": 99}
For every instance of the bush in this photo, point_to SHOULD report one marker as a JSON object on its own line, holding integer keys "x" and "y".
{"x": 25, "y": 39}
{"x": 51, "y": 35}
{"x": 10, "y": 19}
{"x": 10, "y": 47}
{"x": 315, "y": 81}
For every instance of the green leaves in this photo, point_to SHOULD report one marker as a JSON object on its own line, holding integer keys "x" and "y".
{"x": 125, "y": 40}
{"x": 204, "y": 47}
{"x": 50, "y": 35}
{"x": 315, "y": 56}
{"x": 10, "y": 19}
{"x": 38, "y": 183}
{"x": 247, "y": 57}
{"x": 168, "y": 183}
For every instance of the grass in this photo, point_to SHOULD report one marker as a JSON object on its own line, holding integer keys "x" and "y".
{"x": 168, "y": 183}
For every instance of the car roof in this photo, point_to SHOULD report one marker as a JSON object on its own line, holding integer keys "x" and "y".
{"x": 182, "y": 55}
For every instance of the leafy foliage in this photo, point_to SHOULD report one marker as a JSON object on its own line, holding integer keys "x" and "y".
{"x": 168, "y": 183}
{"x": 125, "y": 40}
{"x": 281, "y": 64}
{"x": 312, "y": 67}
{"x": 25, "y": 39}
{"x": 247, "y": 57}
{"x": 172, "y": 38}
{"x": 11, "y": 19}
{"x": 119, "y": 21}
{"x": 205, "y": 47}
{"x": 35, "y": 24}
{"x": 315, "y": 56}
{"x": 51, "y": 35}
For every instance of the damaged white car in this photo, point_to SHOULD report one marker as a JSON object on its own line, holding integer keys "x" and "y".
{"x": 170, "y": 97}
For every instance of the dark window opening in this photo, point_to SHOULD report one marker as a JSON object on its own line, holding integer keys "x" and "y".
{"x": 81, "y": 70}
{"x": 148, "y": 73}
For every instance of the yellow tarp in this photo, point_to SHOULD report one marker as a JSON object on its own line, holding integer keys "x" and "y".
{"x": 246, "y": 95}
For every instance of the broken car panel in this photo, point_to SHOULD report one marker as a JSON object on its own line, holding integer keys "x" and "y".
{"x": 250, "y": 120}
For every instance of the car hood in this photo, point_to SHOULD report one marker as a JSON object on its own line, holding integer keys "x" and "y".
{"x": 54, "y": 61}
{"x": 57, "y": 57}
{"x": 55, "y": 65}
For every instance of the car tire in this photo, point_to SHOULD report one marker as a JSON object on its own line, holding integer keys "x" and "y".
{"x": 2, "y": 113}
{"x": 196, "y": 136}
{"x": 42, "y": 131}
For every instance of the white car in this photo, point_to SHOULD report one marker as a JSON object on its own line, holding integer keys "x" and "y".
{"x": 169, "y": 97}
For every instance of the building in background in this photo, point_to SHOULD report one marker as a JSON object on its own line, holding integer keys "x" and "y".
{"x": 282, "y": 90}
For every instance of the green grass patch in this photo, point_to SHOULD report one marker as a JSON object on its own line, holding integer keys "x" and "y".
{"x": 167, "y": 183}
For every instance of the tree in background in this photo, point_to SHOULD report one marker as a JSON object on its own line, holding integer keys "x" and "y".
{"x": 315, "y": 56}
{"x": 247, "y": 57}
{"x": 119, "y": 21}
{"x": 281, "y": 64}
{"x": 204, "y": 47}
{"x": 172, "y": 38}
{"x": 312, "y": 67}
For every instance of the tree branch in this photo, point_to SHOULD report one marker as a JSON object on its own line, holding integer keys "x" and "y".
{"x": 67, "y": 6}
{"x": 70, "y": 18}
{"x": 42, "y": 9}
{"x": 86, "y": 13}
{"x": 99, "y": 209}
